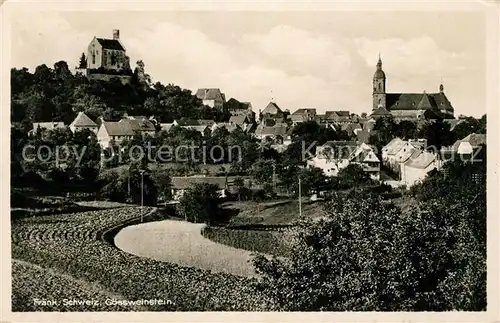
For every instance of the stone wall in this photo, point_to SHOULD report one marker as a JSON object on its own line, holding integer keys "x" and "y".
{"x": 125, "y": 79}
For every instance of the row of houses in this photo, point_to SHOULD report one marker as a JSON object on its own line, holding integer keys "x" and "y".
{"x": 109, "y": 132}
{"x": 334, "y": 156}
{"x": 411, "y": 161}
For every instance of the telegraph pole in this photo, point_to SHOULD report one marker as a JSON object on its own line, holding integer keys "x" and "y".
{"x": 274, "y": 177}
{"x": 142, "y": 195}
{"x": 300, "y": 198}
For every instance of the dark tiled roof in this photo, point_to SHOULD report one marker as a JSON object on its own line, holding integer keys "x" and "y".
{"x": 110, "y": 44}
{"x": 118, "y": 128}
{"x": 232, "y": 104}
{"x": 209, "y": 94}
{"x": 474, "y": 139}
{"x": 336, "y": 114}
{"x": 239, "y": 120}
{"x": 303, "y": 111}
{"x": 381, "y": 112}
{"x": 272, "y": 108}
{"x": 82, "y": 120}
{"x": 411, "y": 101}
{"x": 422, "y": 161}
{"x": 140, "y": 125}
{"x": 275, "y": 131}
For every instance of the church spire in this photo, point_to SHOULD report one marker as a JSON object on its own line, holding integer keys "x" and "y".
{"x": 379, "y": 62}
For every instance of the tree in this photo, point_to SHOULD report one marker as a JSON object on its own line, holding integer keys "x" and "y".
{"x": 200, "y": 203}
{"x": 262, "y": 171}
{"x": 406, "y": 130}
{"x": 312, "y": 180}
{"x": 467, "y": 126}
{"x": 368, "y": 255}
{"x": 239, "y": 183}
{"x": 163, "y": 183}
{"x": 83, "y": 61}
{"x": 437, "y": 134}
{"x": 353, "y": 175}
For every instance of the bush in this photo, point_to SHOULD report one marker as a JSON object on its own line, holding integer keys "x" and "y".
{"x": 369, "y": 256}
{"x": 200, "y": 203}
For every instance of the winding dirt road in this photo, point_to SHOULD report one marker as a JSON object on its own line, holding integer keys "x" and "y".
{"x": 181, "y": 243}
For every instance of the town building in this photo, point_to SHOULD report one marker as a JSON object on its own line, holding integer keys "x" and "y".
{"x": 334, "y": 156}
{"x": 271, "y": 111}
{"x": 46, "y": 126}
{"x": 141, "y": 125}
{"x": 417, "y": 167}
{"x": 181, "y": 184}
{"x": 338, "y": 117}
{"x": 237, "y": 108}
{"x": 81, "y": 122}
{"x": 303, "y": 115}
{"x": 213, "y": 98}
{"x": 279, "y": 133}
{"x": 397, "y": 152}
{"x": 114, "y": 133}
{"x": 408, "y": 106}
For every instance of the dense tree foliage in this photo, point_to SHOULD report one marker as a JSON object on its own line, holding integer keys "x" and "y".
{"x": 369, "y": 255}
{"x": 55, "y": 94}
{"x": 200, "y": 203}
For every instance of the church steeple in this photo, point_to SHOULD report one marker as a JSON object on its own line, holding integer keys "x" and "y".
{"x": 379, "y": 86}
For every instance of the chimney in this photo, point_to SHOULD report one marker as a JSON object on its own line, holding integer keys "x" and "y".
{"x": 116, "y": 34}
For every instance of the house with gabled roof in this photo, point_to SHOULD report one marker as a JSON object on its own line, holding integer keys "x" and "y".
{"x": 81, "y": 122}
{"x": 272, "y": 110}
{"x": 333, "y": 156}
{"x": 469, "y": 146}
{"x": 280, "y": 133}
{"x": 143, "y": 126}
{"x": 303, "y": 114}
{"x": 338, "y": 117}
{"x": 237, "y": 108}
{"x": 211, "y": 97}
{"x": 114, "y": 133}
{"x": 417, "y": 167}
{"x": 240, "y": 120}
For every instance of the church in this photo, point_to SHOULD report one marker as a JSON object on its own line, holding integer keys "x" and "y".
{"x": 408, "y": 106}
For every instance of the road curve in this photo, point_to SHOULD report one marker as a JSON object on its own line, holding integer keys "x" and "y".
{"x": 181, "y": 243}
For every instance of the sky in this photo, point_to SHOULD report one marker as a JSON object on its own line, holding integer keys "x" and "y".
{"x": 324, "y": 60}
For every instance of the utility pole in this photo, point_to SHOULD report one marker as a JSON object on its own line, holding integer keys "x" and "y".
{"x": 300, "y": 198}
{"x": 128, "y": 184}
{"x": 142, "y": 195}
{"x": 274, "y": 177}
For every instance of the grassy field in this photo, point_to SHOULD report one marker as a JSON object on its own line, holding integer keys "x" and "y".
{"x": 262, "y": 227}
{"x": 68, "y": 252}
{"x": 272, "y": 213}
{"x": 267, "y": 242}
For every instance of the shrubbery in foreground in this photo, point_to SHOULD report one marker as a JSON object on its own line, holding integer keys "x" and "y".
{"x": 367, "y": 255}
